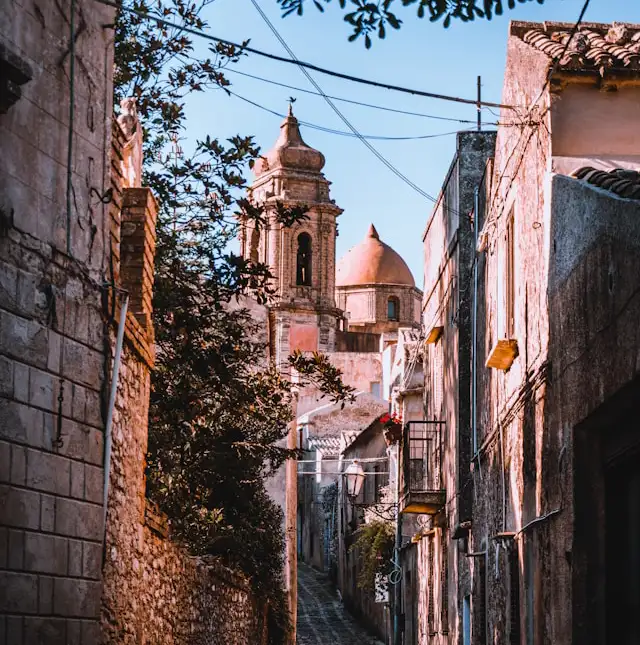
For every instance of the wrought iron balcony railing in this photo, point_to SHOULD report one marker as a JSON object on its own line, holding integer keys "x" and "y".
{"x": 421, "y": 489}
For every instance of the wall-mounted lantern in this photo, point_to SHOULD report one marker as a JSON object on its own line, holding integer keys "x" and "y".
{"x": 354, "y": 476}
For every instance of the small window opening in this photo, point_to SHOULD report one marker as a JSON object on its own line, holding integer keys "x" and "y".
{"x": 393, "y": 309}
{"x": 303, "y": 266}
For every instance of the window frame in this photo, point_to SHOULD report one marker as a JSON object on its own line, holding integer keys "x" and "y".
{"x": 509, "y": 275}
{"x": 395, "y": 301}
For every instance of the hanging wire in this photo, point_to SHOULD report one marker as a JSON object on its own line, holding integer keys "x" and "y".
{"x": 72, "y": 93}
{"x": 342, "y": 132}
{"x": 361, "y": 103}
{"x": 342, "y": 117}
{"x": 294, "y": 61}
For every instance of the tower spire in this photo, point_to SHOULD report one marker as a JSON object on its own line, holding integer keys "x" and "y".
{"x": 291, "y": 102}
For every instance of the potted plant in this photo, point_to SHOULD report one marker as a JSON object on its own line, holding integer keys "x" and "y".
{"x": 392, "y": 424}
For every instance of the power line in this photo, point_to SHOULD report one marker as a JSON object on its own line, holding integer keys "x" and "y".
{"x": 343, "y": 118}
{"x": 361, "y": 103}
{"x": 291, "y": 61}
{"x": 322, "y": 128}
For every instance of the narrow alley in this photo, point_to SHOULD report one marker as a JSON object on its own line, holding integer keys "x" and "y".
{"x": 321, "y": 616}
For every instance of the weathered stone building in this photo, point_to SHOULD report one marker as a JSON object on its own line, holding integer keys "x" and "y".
{"x": 543, "y": 468}
{"x": 54, "y": 260}
{"x": 434, "y": 572}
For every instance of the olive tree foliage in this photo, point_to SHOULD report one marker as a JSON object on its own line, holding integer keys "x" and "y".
{"x": 371, "y": 19}
{"x": 219, "y": 407}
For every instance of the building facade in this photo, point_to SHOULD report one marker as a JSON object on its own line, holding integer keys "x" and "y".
{"x": 538, "y": 482}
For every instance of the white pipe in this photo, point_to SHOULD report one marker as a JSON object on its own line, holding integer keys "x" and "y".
{"x": 112, "y": 404}
{"x": 319, "y": 472}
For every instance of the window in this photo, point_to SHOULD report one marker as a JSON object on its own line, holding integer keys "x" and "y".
{"x": 514, "y": 593}
{"x": 480, "y": 602}
{"x": 529, "y": 583}
{"x": 430, "y": 584}
{"x": 393, "y": 309}
{"x": 303, "y": 264}
{"x": 444, "y": 582}
{"x": 509, "y": 273}
{"x": 437, "y": 380}
{"x": 375, "y": 389}
{"x": 466, "y": 620}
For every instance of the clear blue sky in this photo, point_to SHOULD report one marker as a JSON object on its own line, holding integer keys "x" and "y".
{"x": 421, "y": 55}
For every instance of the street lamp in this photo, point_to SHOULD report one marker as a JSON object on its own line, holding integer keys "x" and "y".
{"x": 355, "y": 478}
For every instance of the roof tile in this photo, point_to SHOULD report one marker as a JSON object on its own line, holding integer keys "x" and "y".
{"x": 620, "y": 181}
{"x": 594, "y": 46}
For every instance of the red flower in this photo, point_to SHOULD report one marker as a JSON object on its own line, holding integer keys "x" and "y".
{"x": 385, "y": 418}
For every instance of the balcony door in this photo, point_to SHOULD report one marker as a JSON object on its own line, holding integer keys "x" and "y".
{"x": 622, "y": 504}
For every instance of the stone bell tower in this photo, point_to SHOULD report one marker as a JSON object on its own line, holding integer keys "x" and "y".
{"x": 302, "y": 257}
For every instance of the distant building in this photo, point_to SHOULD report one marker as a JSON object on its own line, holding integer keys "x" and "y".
{"x": 354, "y": 311}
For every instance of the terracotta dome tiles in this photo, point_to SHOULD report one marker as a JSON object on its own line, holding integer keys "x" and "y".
{"x": 372, "y": 262}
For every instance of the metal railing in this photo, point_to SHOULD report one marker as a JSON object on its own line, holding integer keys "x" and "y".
{"x": 421, "y": 457}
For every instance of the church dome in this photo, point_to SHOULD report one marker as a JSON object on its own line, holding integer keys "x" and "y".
{"x": 290, "y": 151}
{"x": 372, "y": 262}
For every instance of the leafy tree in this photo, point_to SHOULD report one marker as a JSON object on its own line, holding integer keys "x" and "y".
{"x": 375, "y": 18}
{"x": 219, "y": 408}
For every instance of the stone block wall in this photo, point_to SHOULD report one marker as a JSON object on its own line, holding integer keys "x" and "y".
{"x": 52, "y": 333}
{"x": 153, "y": 591}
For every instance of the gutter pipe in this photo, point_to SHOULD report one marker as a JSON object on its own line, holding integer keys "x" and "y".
{"x": 112, "y": 404}
{"x": 474, "y": 362}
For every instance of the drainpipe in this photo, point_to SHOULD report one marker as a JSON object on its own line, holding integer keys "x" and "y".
{"x": 291, "y": 519}
{"x": 474, "y": 325}
{"x": 112, "y": 405}
{"x": 397, "y": 604}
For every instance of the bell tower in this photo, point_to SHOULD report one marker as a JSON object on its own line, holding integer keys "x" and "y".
{"x": 301, "y": 257}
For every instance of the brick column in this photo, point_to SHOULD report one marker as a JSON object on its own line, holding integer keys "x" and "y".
{"x": 138, "y": 244}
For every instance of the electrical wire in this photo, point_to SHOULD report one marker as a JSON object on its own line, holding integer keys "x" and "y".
{"x": 252, "y": 50}
{"x": 343, "y": 118}
{"x": 72, "y": 74}
{"x": 342, "y": 133}
{"x": 361, "y": 103}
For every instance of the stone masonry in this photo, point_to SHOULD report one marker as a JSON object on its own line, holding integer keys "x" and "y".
{"x": 53, "y": 260}
{"x": 73, "y": 239}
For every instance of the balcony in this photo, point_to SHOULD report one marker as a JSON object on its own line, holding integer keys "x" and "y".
{"x": 421, "y": 477}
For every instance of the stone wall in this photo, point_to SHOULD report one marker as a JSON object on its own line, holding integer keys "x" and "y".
{"x": 153, "y": 590}
{"x": 53, "y": 257}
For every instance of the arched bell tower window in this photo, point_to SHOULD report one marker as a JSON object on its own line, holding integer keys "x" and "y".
{"x": 393, "y": 309}
{"x": 303, "y": 263}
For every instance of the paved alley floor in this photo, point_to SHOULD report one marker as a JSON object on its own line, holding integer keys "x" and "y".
{"x": 322, "y": 620}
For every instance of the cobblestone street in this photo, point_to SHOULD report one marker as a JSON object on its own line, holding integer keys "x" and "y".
{"x": 322, "y": 620}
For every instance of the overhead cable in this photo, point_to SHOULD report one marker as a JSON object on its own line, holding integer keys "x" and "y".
{"x": 361, "y": 103}
{"x": 322, "y": 128}
{"x": 342, "y": 117}
{"x": 291, "y": 61}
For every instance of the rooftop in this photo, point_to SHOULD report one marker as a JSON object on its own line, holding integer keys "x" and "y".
{"x": 622, "y": 182}
{"x": 328, "y": 445}
{"x": 290, "y": 151}
{"x": 372, "y": 262}
{"x": 595, "y": 46}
